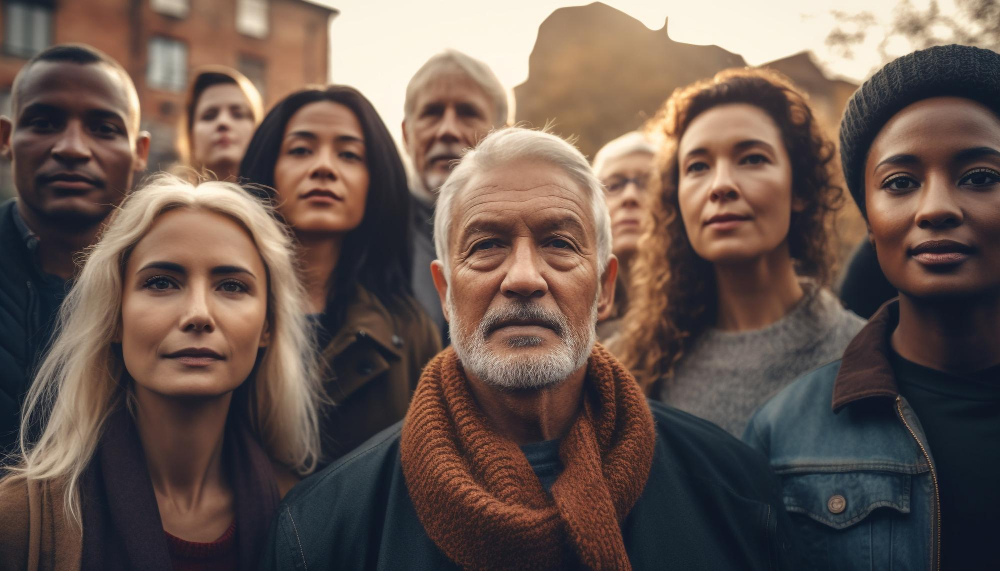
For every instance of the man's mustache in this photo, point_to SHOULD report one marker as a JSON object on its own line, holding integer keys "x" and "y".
{"x": 522, "y": 314}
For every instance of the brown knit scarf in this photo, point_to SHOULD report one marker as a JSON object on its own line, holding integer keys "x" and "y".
{"x": 478, "y": 498}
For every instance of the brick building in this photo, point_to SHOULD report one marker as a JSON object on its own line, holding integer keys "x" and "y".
{"x": 280, "y": 45}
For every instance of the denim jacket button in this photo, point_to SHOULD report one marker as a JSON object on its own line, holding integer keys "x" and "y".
{"x": 836, "y": 504}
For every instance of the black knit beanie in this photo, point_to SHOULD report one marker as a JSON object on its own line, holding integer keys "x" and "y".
{"x": 960, "y": 71}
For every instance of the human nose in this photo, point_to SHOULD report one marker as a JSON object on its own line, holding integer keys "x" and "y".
{"x": 632, "y": 193}
{"x": 323, "y": 166}
{"x": 937, "y": 207}
{"x": 197, "y": 317}
{"x": 72, "y": 146}
{"x": 449, "y": 130}
{"x": 724, "y": 187}
{"x": 523, "y": 278}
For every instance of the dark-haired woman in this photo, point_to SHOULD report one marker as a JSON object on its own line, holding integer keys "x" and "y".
{"x": 221, "y": 111}
{"x": 326, "y": 160}
{"x": 737, "y": 309}
{"x": 889, "y": 457}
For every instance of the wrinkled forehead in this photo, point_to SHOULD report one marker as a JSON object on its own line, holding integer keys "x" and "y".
{"x": 526, "y": 196}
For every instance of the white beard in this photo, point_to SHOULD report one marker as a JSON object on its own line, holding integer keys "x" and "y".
{"x": 522, "y": 371}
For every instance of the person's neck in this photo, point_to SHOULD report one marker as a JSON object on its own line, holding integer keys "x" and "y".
{"x": 57, "y": 246}
{"x": 527, "y": 416}
{"x": 425, "y": 196}
{"x": 756, "y": 293}
{"x": 959, "y": 337}
{"x": 182, "y": 440}
{"x": 318, "y": 256}
{"x": 224, "y": 171}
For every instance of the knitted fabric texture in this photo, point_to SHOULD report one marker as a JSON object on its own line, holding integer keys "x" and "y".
{"x": 960, "y": 71}
{"x": 478, "y": 498}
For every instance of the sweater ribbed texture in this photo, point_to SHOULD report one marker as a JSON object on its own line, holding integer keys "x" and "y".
{"x": 478, "y": 498}
{"x": 726, "y": 376}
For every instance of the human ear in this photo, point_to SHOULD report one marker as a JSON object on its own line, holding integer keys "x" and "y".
{"x": 441, "y": 285}
{"x": 6, "y": 128}
{"x": 265, "y": 335}
{"x": 606, "y": 299}
{"x": 141, "y": 151}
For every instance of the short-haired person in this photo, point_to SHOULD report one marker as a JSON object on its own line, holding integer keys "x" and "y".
{"x": 528, "y": 446}
{"x": 221, "y": 110}
{"x": 729, "y": 299}
{"x": 74, "y": 145}
{"x": 451, "y": 102}
{"x": 889, "y": 456}
{"x": 180, "y": 393}
{"x": 624, "y": 166}
{"x": 327, "y": 162}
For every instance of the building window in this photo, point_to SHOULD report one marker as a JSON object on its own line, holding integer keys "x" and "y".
{"x": 256, "y": 71}
{"x": 166, "y": 67}
{"x": 251, "y": 18}
{"x": 173, "y": 8}
{"x": 27, "y": 28}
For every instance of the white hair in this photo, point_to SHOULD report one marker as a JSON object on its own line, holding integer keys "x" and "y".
{"x": 451, "y": 61}
{"x": 79, "y": 383}
{"x": 627, "y": 144}
{"x": 515, "y": 144}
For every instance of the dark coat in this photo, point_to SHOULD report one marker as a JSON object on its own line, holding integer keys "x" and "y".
{"x": 25, "y": 328}
{"x": 422, "y": 238}
{"x": 372, "y": 365}
{"x": 710, "y": 503}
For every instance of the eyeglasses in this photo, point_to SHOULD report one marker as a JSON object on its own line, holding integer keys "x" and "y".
{"x": 617, "y": 184}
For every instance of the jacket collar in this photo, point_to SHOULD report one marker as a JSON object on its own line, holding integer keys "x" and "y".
{"x": 366, "y": 317}
{"x": 865, "y": 370}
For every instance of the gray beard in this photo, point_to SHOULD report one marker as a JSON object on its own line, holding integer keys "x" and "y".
{"x": 517, "y": 372}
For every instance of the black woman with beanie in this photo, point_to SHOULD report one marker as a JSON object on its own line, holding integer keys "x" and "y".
{"x": 889, "y": 457}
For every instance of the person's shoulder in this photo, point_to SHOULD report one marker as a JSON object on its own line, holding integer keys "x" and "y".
{"x": 710, "y": 455}
{"x": 352, "y": 479}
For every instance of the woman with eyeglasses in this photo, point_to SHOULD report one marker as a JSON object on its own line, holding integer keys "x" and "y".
{"x": 728, "y": 303}
{"x": 624, "y": 167}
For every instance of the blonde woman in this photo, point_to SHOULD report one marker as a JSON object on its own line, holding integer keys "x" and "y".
{"x": 180, "y": 393}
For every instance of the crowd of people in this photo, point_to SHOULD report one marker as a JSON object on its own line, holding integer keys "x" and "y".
{"x": 288, "y": 352}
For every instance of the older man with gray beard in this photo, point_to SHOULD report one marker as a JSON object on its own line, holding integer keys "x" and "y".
{"x": 451, "y": 102}
{"x": 527, "y": 445}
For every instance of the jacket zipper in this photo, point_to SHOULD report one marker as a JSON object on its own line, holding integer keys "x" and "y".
{"x": 937, "y": 492}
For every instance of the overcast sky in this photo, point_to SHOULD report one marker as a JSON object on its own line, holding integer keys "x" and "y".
{"x": 377, "y": 45}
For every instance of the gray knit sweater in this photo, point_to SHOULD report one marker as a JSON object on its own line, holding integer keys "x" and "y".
{"x": 726, "y": 376}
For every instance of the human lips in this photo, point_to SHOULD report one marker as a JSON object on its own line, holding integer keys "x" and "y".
{"x": 71, "y": 181}
{"x": 726, "y": 221}
{"x": 938, "y": 253}
{"x": 323, "y": 195}
{"x": 195, "y": 356}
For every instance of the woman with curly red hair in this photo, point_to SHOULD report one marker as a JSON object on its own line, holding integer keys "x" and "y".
{"x": 738, "y": 308}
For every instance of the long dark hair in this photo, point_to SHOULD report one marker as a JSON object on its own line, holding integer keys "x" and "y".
{"x": 673, "y": 296}
{"x": 377, "y": 254}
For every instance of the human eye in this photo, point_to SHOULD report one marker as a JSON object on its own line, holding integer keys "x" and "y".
{"x": 106, "y": 129}
{"x": 351, "y": 156}
{"x": 483, "y": 245}
{"x": 754, "y": 159}
{"x": 900, "y": 183}
{"x": 560, "y": 244}
{"x": 41, "y": 124}
{"x": 299, "y": 150}
{"x": 432, "y": 111}
{"x": 234, "y": 286}
{"x": 615, "y": 185}
{"x": 210, "y": 114}
{"x": 697, "y": 166}
{"x": 980, "y": 177}
{"x": 159, "y": 283}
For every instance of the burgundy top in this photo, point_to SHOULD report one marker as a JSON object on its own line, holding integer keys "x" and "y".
{"x": 221, "y": 554}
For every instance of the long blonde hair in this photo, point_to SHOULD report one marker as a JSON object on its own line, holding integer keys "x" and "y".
{"x": 79, "y": 382}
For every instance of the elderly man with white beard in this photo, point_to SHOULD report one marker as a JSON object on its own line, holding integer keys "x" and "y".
{"x": 451, "y": 102}
{"x": 527, "y": 445}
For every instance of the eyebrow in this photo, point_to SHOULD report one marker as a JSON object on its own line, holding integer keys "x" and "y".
{"x": 740, "y": 146}
{"x": 312, "y": 136}
{"x": 49, "y": 109}
{"x": 179, "y": 269}
{"x": 901, "y": 159}
{"x": 976, "y": 153}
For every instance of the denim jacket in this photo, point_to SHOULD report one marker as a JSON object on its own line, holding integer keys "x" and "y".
{"x": 857, "y": 474}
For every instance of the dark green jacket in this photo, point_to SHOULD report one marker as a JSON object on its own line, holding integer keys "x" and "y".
{"x": 710, "y": 503}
